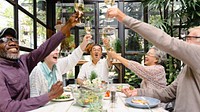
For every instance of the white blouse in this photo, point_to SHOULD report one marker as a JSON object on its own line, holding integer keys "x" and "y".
{"x": 38, "y": 82}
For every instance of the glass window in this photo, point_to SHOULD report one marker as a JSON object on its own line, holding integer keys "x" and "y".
{"x": 41, "y": 34}
{"x": 134, "y": 9}
{"x": 6, "y": 15}
{"x": 25, "y": 30}
{"x": 102, "y": 15}
{"x": 26, "y": 4}
{"x": 63, "y": 12}
{"x": 41, "y": 10}
{"x": 89, "y": 13}
{"x": 155, "y": 18}
{"x": 133, "y": 41}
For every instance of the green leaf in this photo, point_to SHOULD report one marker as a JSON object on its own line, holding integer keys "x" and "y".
{"x": 93, "y": 75}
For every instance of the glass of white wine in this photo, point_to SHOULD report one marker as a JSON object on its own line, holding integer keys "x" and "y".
{"x": 88, "y": 29}
{"x": 109, "y": 3}
{"x": 79, "y": 7}
{"x": 109, "y": 32}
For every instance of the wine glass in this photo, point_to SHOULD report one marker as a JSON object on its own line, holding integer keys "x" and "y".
{"x": 109, "y": 3}
{"x": 88, "y": 29}
{"x": 109, "y": 32}
{"x": 79, "y": 7}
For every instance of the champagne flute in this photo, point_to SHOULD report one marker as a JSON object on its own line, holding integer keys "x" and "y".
{"x": 109, "y": 32}
{"x": 88, "y": 29}
{"x": 109, "y": 3}
{"x": 79, "y": 7}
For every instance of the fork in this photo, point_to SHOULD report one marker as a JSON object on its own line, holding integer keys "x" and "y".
{"x": 147, "y": 104}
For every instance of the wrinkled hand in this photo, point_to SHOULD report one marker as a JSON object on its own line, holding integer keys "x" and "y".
{"x": 115, "y": 12}
{"x": 106, "y": 42}
{"x": 113, "y": 54}
{"x": 112, "y": 12}
{"x": 129, "y": 92}
{"x": 87, "y": 38}
{"x": 56, "y": 90}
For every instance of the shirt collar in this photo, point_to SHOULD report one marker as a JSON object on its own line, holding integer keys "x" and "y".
{"x": 91, "y": 63}
{"x": 46, "y": 68}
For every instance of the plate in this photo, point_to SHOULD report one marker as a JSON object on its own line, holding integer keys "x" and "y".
{"x": 107, "y": 95}
{"x": 120, "y": 86}
{"x": 65, "y": 99}
{"x": 106, "y": 98}
{"x": 67, "y": 89}
{"x": 152, "y": 102}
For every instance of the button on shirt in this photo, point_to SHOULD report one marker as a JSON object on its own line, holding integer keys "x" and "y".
{"x": 101, "y": 68}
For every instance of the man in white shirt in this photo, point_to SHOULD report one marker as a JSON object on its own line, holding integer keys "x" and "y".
{"x": 98, "y": 65}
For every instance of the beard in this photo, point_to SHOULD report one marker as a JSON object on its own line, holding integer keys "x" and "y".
{"x": 7, "y": 55}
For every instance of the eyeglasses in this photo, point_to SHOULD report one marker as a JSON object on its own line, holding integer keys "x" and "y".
{"x": 5, "y": 40}
{"x": 189, "y": 37}
{"x": 150, "y": 54}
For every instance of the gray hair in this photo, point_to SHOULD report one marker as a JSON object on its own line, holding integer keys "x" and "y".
{"x": 160, "y": 55}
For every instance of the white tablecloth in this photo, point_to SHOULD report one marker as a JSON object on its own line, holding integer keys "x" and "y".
{"x": 70, "y": 106}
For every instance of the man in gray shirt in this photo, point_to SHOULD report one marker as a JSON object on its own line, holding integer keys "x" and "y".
{"x": 185, "y": 90}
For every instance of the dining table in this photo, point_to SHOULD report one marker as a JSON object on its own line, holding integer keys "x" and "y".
{"x": 119, "y": 106}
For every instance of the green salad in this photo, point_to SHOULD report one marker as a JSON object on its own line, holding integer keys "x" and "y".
{"x": 64, "y": 96}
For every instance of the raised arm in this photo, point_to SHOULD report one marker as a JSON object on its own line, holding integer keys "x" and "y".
{"x": 189, "y": 54}
{"x": 106, "y": 43}
{"x": 67, "y": 63}
{"x": 39, "y": 54}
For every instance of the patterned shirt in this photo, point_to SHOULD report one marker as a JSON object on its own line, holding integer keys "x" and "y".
{"x": 152, "y": 76}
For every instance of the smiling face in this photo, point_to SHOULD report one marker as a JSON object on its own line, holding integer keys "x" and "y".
{"x": 96, "y": 53}
{"x": 52, "y": 58}
{"x": 9, "y": 49}
{"x": 150, "y": 58}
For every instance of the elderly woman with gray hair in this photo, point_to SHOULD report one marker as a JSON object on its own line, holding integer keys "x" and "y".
{"x": 152, "y": 73}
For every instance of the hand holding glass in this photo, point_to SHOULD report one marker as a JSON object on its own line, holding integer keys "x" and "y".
{"x": 109, "y": 3}
{"x": 79, "y": 7}
{"x": 88, "y": 29}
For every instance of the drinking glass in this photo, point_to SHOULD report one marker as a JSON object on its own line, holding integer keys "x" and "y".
{"x": 109, "y": 32}
{"x": 79, "y": 7}
{"x": 113, "y": 94}
{"x": 88, "y": 29}
{"x": 109, "y": 3}
{"x": 75, "y": 93}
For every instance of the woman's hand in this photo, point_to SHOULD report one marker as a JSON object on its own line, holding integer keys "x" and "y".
{"x": 112, "y": 54}
{"x": 87, "y": 38}
{"x": 129, "y": 92}
{"x": 85, "y": 42}
{"x": 56, "y": 90}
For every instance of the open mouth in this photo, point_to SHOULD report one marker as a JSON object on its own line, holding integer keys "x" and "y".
{"x": 13, "y": 50}
{"x": 96, "y": 55}
{"x": 55, "y": 57}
